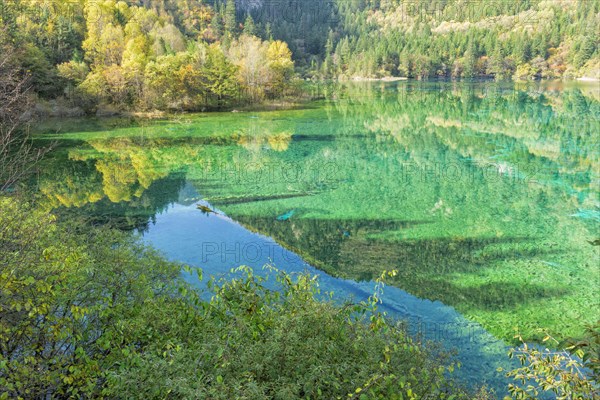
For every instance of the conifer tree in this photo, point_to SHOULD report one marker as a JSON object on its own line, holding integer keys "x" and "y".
{"x": 249, "y": 27}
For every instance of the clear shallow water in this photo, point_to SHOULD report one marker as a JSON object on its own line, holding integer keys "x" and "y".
{"x": 483, "y": 197}
{"x": 218, "y": 244}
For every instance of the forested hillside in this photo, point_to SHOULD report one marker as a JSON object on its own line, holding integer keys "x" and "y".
{"x": 519, "y": 39}
{"x": 194, "y": 54}
{"x": 151, "y": 54}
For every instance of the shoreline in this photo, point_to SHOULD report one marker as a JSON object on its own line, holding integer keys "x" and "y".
{"x": 587, "y": 79}
{"x": 383, "y": 79}
{"x": 53, "y": 109}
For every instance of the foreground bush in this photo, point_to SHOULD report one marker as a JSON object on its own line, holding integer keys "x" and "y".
{"x": 573, "y": 373}
{"x": 97, "y": 314}
{"x": 64, "y": 299}
{"x": 253, "y": 342}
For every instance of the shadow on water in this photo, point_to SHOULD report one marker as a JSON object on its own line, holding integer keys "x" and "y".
{"x": 494, "y": 296}
{"x": 344, "y": 249}
{"x": 251, "y": 199}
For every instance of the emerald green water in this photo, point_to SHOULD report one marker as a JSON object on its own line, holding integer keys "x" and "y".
{"x": 484, "y": 197}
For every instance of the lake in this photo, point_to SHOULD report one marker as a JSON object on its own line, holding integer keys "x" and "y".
{"x": 483, "y": 196}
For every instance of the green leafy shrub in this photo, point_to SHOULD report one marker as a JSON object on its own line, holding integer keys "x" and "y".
{"x": 64, "y": 299}
{"x": 93, "y": 313}
{"x": 253, "y": 342}
{"x": 566, "y": 374}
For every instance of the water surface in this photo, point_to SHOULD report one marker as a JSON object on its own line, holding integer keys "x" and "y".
{"x": 484, "y": 197}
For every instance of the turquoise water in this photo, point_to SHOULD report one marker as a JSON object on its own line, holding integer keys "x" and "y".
{"x": 483, "y": 197}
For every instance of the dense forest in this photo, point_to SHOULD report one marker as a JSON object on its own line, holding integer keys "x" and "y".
{"x": 520, "y": 39}
{"x": 195, "y": 55}
{"x": 151, "y": 54}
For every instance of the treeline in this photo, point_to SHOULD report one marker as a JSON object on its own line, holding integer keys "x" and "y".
{"x": 517, "y": 39}
{"x": 191, "y": 55}
{"x": 181, "y": 54}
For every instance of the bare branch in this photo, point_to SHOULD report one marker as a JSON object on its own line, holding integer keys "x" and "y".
{"x": 18, "y": 157}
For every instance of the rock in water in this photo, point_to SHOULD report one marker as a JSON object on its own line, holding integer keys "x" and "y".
{"x": 286, "y": 216}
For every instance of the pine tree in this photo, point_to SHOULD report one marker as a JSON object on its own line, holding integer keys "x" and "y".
{"x": 328, "y": 62}
{"x": 343, "y": 52}
{"x": 268, "y": 32}
{"x": 496, "y": 63}
{"x": 216, "y": 26}
{"x": 470, "y": 59}
{"x": 230, "y": 22}
{"x": 249, "y": 27}
{"x": 540, "y": 46}
{"x": 587, "y": 47}
{"x": 522, "y": 50}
